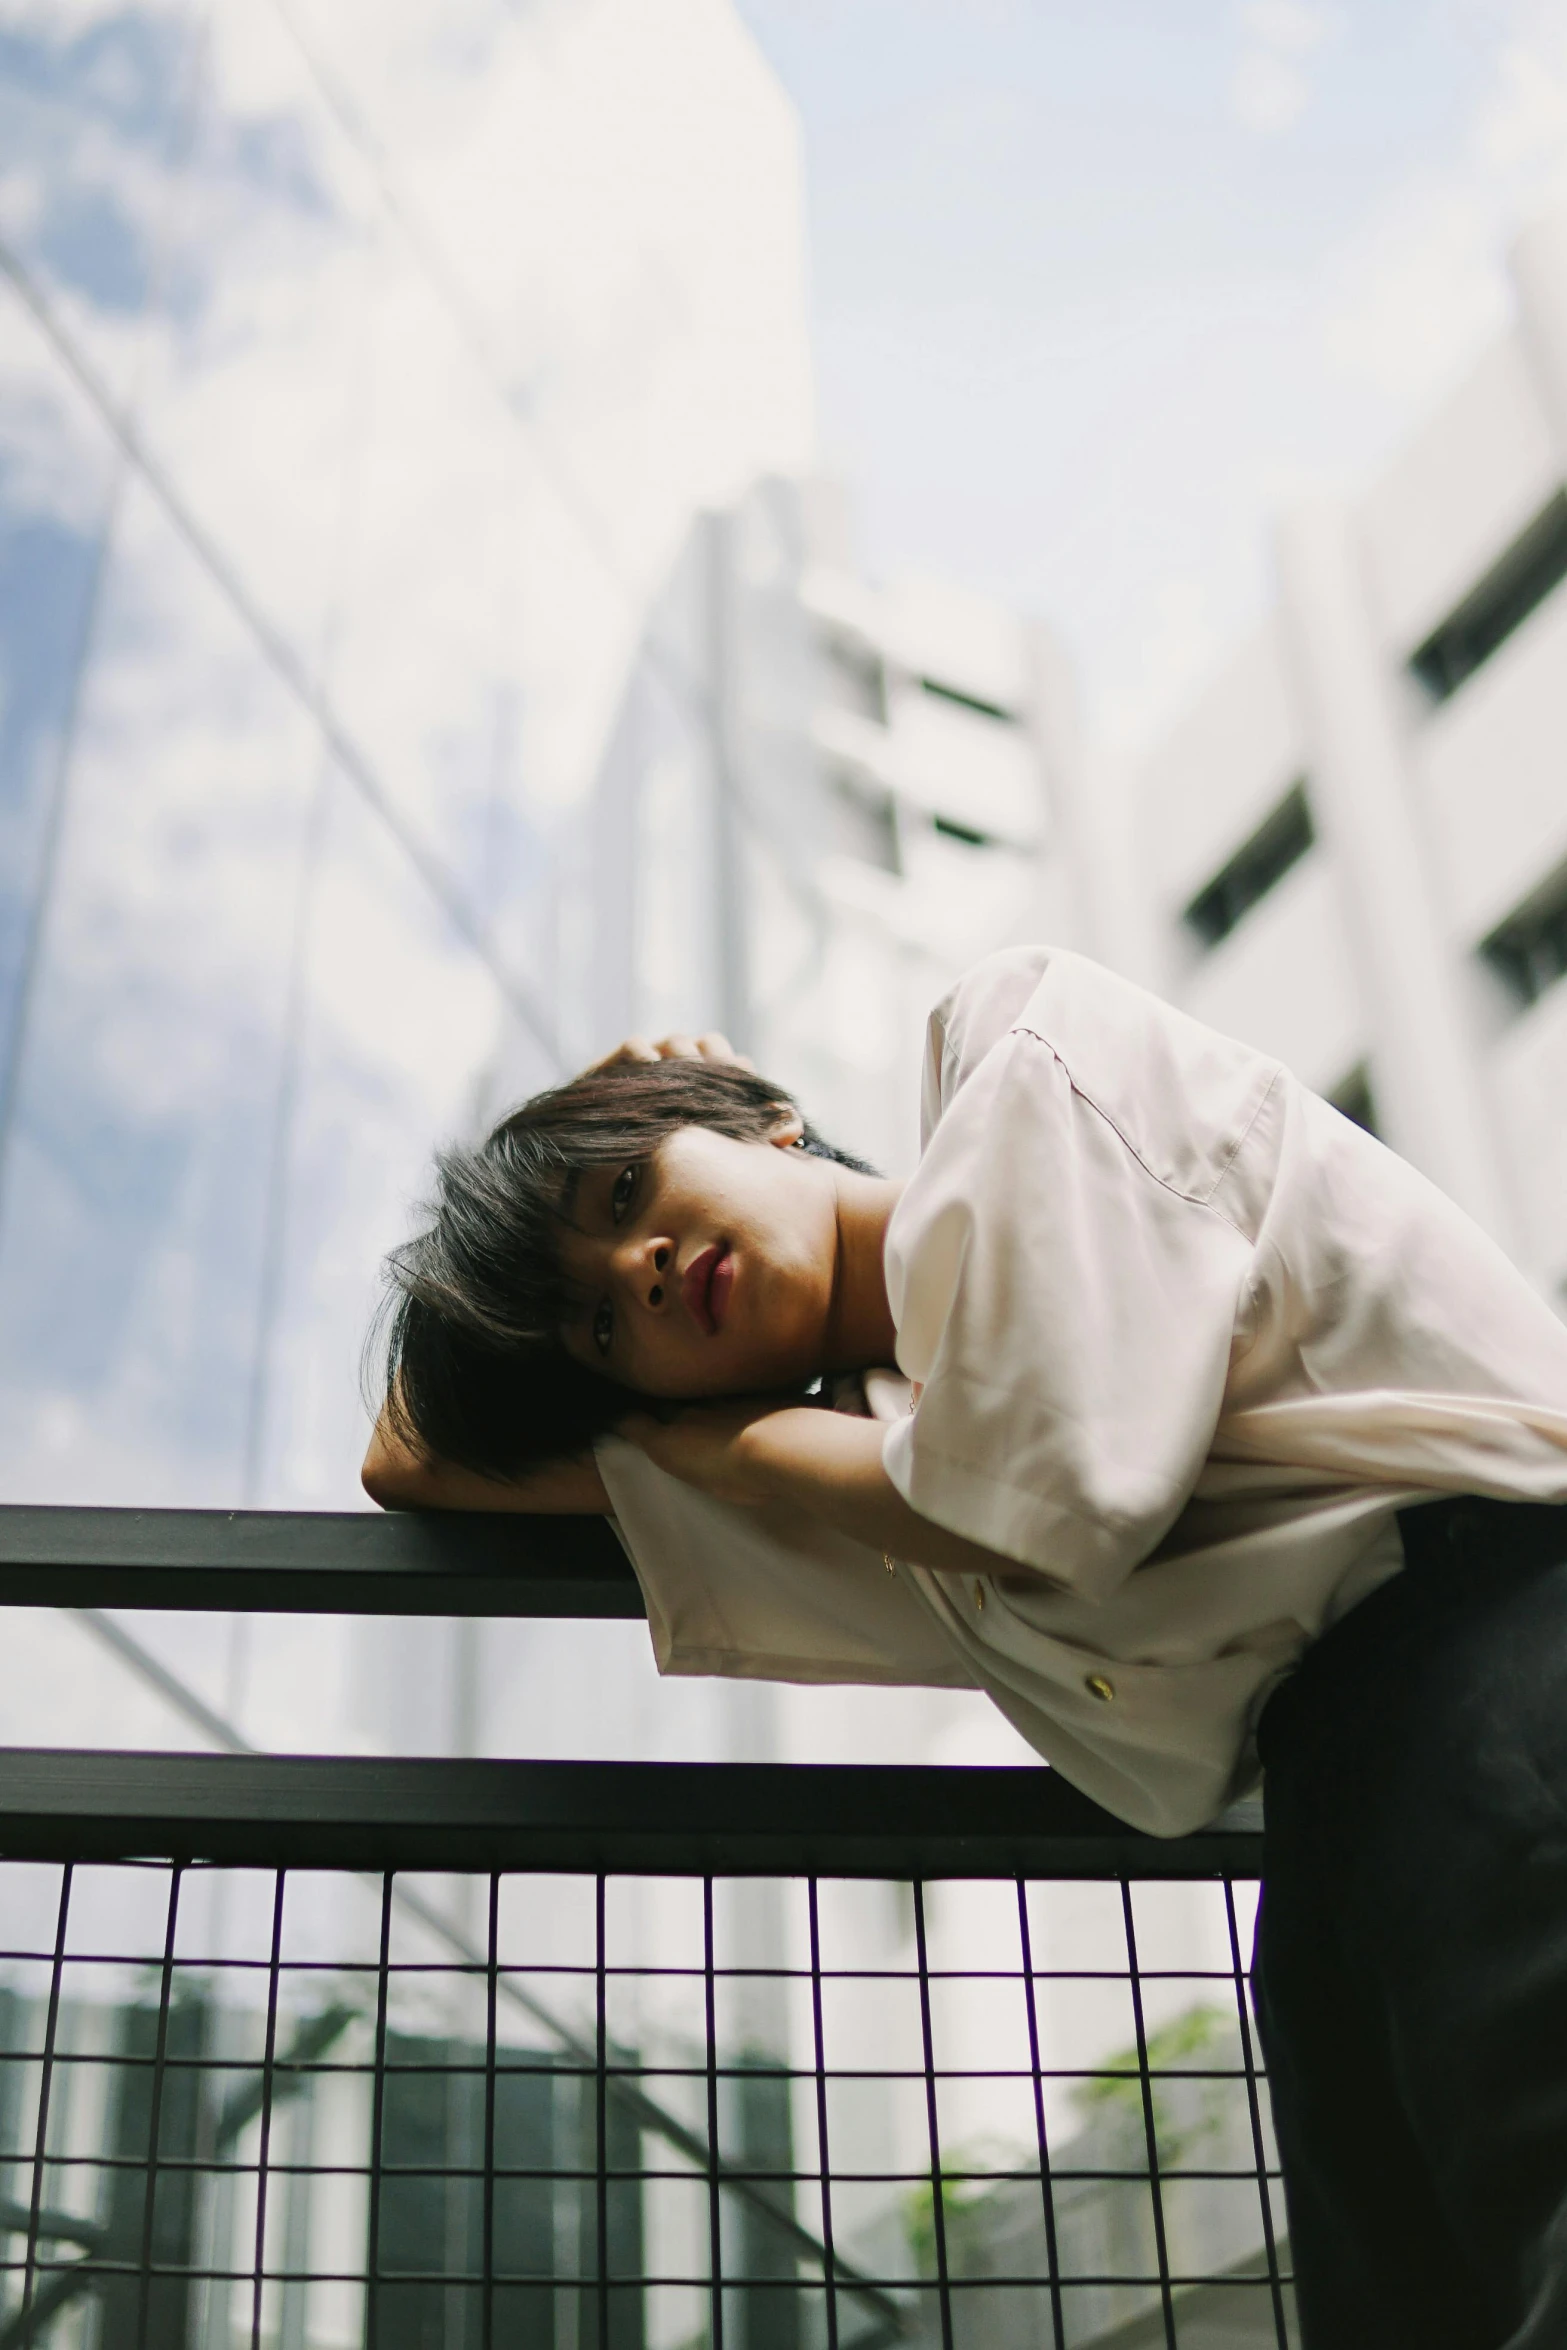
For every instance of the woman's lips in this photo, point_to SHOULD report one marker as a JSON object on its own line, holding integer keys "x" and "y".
{"x": 705, "y": 1285}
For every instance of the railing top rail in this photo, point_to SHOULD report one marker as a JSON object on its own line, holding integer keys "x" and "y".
{"x": 314, "y": 1562}
{"x": 667, "y": 1819}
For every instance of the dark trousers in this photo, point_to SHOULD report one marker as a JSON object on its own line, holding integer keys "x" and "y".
{"x": 1411, "y": 1965}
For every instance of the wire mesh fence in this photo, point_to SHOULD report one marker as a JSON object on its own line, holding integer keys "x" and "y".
{"x": 303, "y": 2109}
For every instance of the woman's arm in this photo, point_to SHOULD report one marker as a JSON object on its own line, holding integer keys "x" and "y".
{"x": 825, "y": 1463}
{"x": 401, "y": 1478}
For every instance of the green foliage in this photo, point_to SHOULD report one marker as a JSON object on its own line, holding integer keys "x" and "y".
{"x": 1117, "y": 2084}
{"x": 962, "y": 2198}
{"x": 1111, "y": 2106}
{"x": 1114, "y": 2097}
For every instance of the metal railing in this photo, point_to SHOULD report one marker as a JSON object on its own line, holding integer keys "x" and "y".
{"x": 301, "y": 2053}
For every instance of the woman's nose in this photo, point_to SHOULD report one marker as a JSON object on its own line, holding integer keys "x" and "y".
{"x": 649, "y": 1274}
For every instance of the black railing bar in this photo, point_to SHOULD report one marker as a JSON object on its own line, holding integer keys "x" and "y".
{"x": 316, "y": 1562}
{"x": 909, "y": 2290}
{"x": 378, "y": 2112}
{"x": 212, "y": 2167}
{"x": 715, "y": 2239}
{"x": 488, "y": 2172}
{"x": 449, "y": 1817}
{"x": 45, "y": 2086}
{"x": 442, "y": 1970}
{"x": 265, "y": 2109}
{"x": 600, "y": 2095}
{"x": 1150, "y": 2122}
{"x": 155, "y": 2121}
{"x": 819, "y": 2070}
{"x": 298, "y": 2073}
{"x": 1041, "y": 2131}
{"x": 936, "y": 2173}
{"x": 1254, "y": 2115}
{"x": 205, "y": 1964}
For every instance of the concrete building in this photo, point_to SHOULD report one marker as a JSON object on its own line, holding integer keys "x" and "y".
{"x": 1354, "y": 844}
{"x": 862, "y": 794}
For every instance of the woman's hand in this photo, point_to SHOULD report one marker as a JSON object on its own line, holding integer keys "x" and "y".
{"x": 714, "y": 1446}
{"x": 709, "y": 1047}
{"x": 827, "y": 1464}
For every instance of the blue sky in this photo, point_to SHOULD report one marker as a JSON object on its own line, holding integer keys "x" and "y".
{"x": 1098, "y": 287}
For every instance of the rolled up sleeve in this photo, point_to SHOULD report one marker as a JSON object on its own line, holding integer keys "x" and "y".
{"x": 1069, "y": 1317}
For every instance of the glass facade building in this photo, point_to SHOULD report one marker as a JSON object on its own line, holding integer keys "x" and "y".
{"x": 362, "y": 369}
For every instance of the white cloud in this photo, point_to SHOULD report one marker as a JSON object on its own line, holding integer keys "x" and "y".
{"x": 1417, "y": 291}
{"x": 1272, "y": 82}
{"x": 1289, "y": 27}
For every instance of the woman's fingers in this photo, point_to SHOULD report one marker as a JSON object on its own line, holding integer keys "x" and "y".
{"x": 712, "y": 1045}
{"x": 715, "y": 1046}
{"x": 635, "y": 1048}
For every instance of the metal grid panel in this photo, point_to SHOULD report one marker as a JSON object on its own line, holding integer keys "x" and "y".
{"x": 270, "y": 2108}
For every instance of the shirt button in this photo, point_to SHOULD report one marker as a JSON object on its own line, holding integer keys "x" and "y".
{"x": 979, "y": 1597}
{"x": 1099, "y": 1686}
{"x": 889, "y": 1562}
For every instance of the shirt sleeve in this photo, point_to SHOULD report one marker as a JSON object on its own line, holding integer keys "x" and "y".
{"x": 1069, "y": 1317}
{"x": 762, "y": 1593}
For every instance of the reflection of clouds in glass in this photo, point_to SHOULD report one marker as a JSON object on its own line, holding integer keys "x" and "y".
{"x": 1273, "y": 79}
{"x": 46, "y": 573}
{"x": 440, "y": 326}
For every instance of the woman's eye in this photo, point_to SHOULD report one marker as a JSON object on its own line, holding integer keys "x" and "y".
{"x": 620, "y": 1195}
{"x": 604, "y": 1326}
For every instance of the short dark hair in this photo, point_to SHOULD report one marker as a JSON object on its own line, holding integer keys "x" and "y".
{"x": 475, "y": 1371}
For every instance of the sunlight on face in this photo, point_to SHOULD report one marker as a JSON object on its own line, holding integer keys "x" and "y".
{"x": 706, "y": 1270}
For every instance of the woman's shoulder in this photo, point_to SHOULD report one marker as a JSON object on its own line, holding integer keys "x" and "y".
{"x": 1181, "y": 1096}
{"x": 973, "y": 1016}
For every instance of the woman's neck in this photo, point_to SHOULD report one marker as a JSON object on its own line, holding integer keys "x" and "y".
{"x": 860, "y": 1329}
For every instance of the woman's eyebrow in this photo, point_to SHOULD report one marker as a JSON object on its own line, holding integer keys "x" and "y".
{"x": 569, "y": 1203}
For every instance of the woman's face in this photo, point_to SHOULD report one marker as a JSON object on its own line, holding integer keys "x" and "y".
{"x": 706, "y": 1270}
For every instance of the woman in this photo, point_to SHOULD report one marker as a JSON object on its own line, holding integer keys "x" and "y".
{"x": 1191, "y": 1356}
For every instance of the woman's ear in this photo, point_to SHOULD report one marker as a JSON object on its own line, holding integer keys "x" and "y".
{"x": 789, "y": 1129}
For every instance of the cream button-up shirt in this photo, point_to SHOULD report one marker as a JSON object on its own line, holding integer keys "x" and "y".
{"x": 1183, "y": 1340}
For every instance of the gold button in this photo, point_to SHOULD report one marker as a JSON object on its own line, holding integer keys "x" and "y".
{"x": 979, "y": 1597}
{"x": 889, "y": 1562}
{"x": 1098, "y": 1686}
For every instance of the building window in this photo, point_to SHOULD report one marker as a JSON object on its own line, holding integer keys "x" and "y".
{"x": 864, "y": 825}
{"x": 1353, "y": 1098}
{"x": 1254, "y": 869}
{"x": 858, "y": 682}
{"x": 1532, "y": 566}
{"x": 950, "y": 829}
{"x": 1528, "y": 952}
{"x": 965, "y": 701}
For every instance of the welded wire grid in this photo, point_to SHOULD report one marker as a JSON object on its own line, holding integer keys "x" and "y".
{"x": 255, "y": 2108}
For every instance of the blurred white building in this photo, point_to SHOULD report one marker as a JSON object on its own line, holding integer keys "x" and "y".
{"x": 870, "y": 790}
{"x": 1354, "y": 846}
